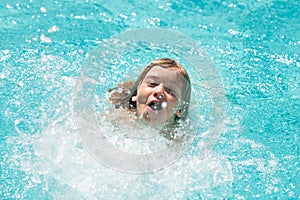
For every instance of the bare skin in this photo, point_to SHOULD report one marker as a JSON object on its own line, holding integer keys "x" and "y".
{"x": 158, "y": 96}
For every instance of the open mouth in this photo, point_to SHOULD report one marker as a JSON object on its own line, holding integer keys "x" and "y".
{"x": 154, "y": 105}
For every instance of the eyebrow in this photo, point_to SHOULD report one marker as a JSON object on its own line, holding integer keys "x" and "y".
{"x": 151, "y": 76}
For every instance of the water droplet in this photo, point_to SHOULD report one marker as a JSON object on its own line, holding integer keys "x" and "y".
{"x": 45, "y": 39}
{"x": 43, "y": 9}
{"x": 164, "y": 105}
{"x": 53, "y": 29}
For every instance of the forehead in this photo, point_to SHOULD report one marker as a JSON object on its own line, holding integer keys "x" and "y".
{"x": 166, "y": 74}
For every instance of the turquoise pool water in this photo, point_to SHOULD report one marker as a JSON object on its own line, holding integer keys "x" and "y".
{"x": 255, "y": 49}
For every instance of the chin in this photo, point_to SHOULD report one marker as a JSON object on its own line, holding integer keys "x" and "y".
{"x": 154, "y": 119}
{"x": 147, "y": 119}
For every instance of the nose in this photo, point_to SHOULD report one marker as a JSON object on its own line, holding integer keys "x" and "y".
{"x": 159, "y": 92}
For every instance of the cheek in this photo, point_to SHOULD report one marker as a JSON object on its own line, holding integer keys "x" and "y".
{"x": 142, "y": 95}
{"x": 173, "y": 104}
{"x": 141, "y": 99}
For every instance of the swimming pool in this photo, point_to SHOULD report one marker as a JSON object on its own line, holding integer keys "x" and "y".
{"x": 254, "y": 46}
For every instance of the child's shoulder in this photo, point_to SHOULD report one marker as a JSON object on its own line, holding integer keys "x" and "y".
{"x": 117, "y": 94}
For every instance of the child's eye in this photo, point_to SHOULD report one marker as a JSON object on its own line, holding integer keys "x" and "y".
{"x": 152, "y": 84}
{"x": 171, "y": 91}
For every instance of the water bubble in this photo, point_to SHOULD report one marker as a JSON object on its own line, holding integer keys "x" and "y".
{"x": 118, "y": 48}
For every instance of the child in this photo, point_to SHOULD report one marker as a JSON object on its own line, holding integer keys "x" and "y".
{"x": 159, "y": 98}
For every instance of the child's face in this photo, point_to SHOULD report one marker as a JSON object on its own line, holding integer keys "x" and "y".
{"x": 158, "y": 96}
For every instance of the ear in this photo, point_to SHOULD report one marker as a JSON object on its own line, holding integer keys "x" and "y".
{"x": 133, "y": 98}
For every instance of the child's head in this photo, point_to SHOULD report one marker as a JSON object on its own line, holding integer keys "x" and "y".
{"x": 161, "y": 93}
